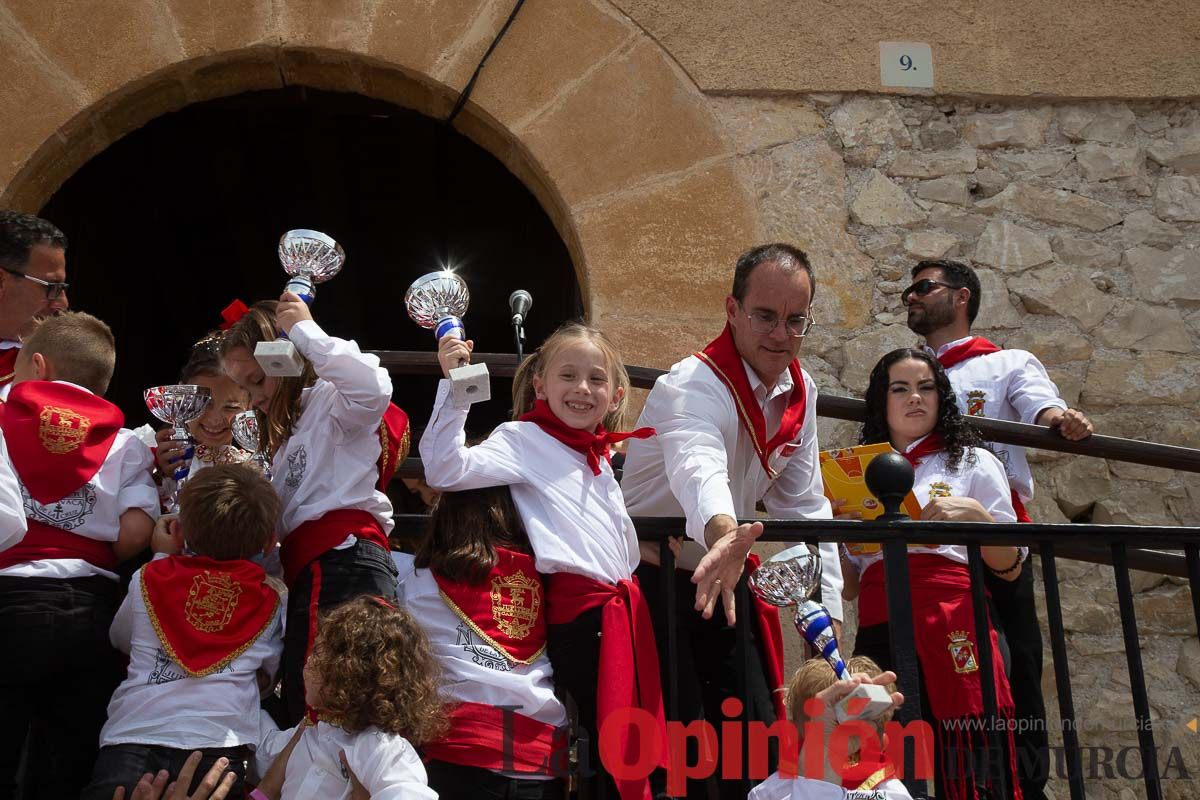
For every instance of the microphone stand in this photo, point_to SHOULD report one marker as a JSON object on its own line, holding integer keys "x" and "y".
{"x": 519, "y": 337}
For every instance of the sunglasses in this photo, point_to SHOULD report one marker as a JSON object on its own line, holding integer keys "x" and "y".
{"x": 54, "y": 290}
{"x": 922, "y": 288}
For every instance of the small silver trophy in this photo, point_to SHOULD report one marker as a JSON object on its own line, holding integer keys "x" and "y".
{"x": 245, "y": 431}
{"x": 438, "y": 301}
{"x": 789, "y": 578}
{"x": 177, "y": 405}
{"x": 309, "y": 258}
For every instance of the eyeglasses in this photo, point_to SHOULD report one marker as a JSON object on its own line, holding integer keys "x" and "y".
{"x": 765, "y": 322}
{"x": 922, "y": 288}
{"x": 54, "y": 289}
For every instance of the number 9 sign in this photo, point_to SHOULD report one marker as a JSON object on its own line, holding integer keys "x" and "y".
{"x": 907, "y": 64}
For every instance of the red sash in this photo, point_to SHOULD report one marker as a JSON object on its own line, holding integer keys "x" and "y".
{"x": 770, "y": 642}
{"x": 8, "y": 364}
{"x": 593, "y": 445}
{"x": 867, "y": 774}
{"x": 395, "y": 438}
{"x": 58, "y": 436}
{"x": 722, "y": 358}
{"x": 975, "y": 346}
{"x": 1019, "y": 507}
{"x": 206, "y": 612}
{"x": 42, "y": 541}
{"x": 933, "y": 443}
{"x": 313, "y": 539}
{"x": 628, "y": 657}
{"x": 489, "y": 738}
{"x": 507, "y": 609}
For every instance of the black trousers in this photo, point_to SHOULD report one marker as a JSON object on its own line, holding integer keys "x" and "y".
{"x": 1017, "y": 613}
{"x": 335, "y": 577}
{"x": 458, "y": 782}
{"x": 125, "y": 764}
{"x": 56, "y": 679}
{"x": 709, "y": 671}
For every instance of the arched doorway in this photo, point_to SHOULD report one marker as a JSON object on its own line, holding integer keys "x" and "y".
{"x": 173, "y": 221}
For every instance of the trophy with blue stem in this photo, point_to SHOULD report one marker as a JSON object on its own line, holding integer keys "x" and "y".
{"x": 438, "y": 301}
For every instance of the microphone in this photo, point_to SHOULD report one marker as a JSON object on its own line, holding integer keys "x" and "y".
{"x": 519, "y": 303}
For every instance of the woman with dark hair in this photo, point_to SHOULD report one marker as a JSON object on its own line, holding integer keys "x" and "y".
{"x": 911, "y": 405}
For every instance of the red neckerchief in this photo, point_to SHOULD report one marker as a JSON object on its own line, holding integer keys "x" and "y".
{"x": 58, "y": 436}
{"x": 722, "y": 357}
{"x": 207, "y": 612}
{"x": 868, "y": 773}
{"x": 507, "y": 609}
{"x": 593, "y": 445}
{"x": 931, "y": 444}
{"x": 975, "y": 346}
{"x": 8, "y": 363}
{"x": 394, "y": 440}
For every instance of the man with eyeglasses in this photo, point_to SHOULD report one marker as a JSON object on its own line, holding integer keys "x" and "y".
{"x": 33, "y": 268}
{"x": 736, "y": 426}
{"x": 942, "y": 304}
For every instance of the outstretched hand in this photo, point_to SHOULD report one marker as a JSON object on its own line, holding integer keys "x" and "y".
{"x": 721, "y": 568}
{"x": 216, "y": 784}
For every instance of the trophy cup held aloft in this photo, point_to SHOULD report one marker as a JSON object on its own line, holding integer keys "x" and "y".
{"x": 438, "y": 301}
{"x": 309, "y": 257}
{"x": 177, "y": 405}
{"x": 245, "y": 431}
{"x": 789, "y": 578}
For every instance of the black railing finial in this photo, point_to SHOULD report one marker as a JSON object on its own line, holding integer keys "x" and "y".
{"x": 890, "y": 478}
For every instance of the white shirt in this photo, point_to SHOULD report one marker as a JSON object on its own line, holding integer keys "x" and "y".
{"x": 230, "y": 454}
{"x": 12, "y": 511}
{"x": 777, "y": 787}
{"x": 576, "y": 521}
{"x": 157, "y": 704}
{"x": 472, "y": 670}
{"x": 331, "y": 459}
{"x": 384, "y": 763}
{"x": 93, "y": 510}
{"x": 983, "y": 480}
{"x": 703, "y": 463}
{"x": 1012, "y": 385}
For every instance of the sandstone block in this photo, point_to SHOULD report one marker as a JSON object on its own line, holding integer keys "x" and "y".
{"x": 1053, "y": 205}
{"x": 1177, "y": 198}
{"x": 1153, "y": 122}
{"x": 990, "y": 182}
{"x": 1164, "y": 275}
{"x": 1011, "y": 247}
{"x": 881, "y": 245}
{"x": 1043, "y": 163}
{"x": 880, "y": 203}
{"x": 1100, "y": 122}
{"x": 757, "y": 122}
{"x": 1188, "y": 663}
{"x": 1051, "y": 343}
{"x": 951, "y": 189}
{"x": 1182, "y": 157}
{"x": 1142, "y": 327}
{"x": 1079, "y": 483}
{"x": 928, "y": 244}
{"x": 996, "y": 308}
{"x": 937, "y": 134}
{"x": 1150, "y": 379}
{"x": 1166, "y": 611}
{"x": 1064, "y": 291}
{"x": 1142, "y": 227}
{"x": 915, "y": 164}
{"x": 957, "y": 221}
{"x": 869, "y": 121}
{"x": 1084, "y": 253}
{"x": 860, "y": 353}
{"x": 1007, "y": 129}
{"x": 1101, "y": 163}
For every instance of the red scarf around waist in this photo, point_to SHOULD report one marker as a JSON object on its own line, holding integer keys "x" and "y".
{"x": 628, "y": 658}
{"x": 58, "y": 436}
{"x": 207, "y": 612}
{"x": 507, "y": 609}
{"x": 487, "y": 737}
{"x": 722, "y": 358}
{"x": 8, "y": 364}
{"x": 770, "y": 642}
{"x": 313, "y": 539}
{"x": 975, "y": 346}
{"x": 593, "y": 446}
{"x": 395, "y": 438}
{"x": 42, "y": 542}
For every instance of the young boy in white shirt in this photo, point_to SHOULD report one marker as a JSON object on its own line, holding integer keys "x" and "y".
{"x": 199, "y": 628}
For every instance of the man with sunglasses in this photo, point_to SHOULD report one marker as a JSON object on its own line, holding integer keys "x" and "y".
{"x": 736, "y": 426}
{"x": 33, "y": 268}
{"x": 988, "y": 381}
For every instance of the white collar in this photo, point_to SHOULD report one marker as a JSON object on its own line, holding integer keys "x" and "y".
{"x": 783, "y": 384}
{"x": 946, "y": 346}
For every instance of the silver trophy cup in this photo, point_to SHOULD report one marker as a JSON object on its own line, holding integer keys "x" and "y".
{"x": 789, "y": 578}
{"x": 177, "y": 405}
{"x": 438, "y": 301}
{"x": 309, "y": 258}
{"x": 245, "y": 431}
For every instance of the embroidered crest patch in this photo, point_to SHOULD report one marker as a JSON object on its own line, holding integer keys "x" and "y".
{"x": 297, "y": 464}
{"x": 515, "y": 603}
{"x": 962, "y": 652}
{"x": 66, "y": 513}
{"x": 976, "y": 399}
{"x": 939, "y": 489}
{"x": 211, "y": 601}
{"x": 62, "y": 430}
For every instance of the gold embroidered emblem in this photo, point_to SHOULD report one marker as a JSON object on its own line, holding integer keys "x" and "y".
{"x": 211, "y": 601}
{"x": 962, "y": 652}
{"x": 976, "y": 398}
{"x": 939, "y": 489}
{"x": 61, "y": 429}
{"x": 515, "y": 603}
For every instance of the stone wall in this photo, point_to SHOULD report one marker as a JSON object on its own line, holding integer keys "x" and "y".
{"x": 1084, "y": 220}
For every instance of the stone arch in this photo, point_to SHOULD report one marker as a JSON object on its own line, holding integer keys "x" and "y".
{"x": 615, "y": 141}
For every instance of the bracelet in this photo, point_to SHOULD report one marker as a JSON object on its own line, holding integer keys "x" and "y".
{"x": 1020, "y": 560}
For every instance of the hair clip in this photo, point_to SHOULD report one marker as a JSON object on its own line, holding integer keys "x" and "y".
{"x": 232, "y": 313}
{"x": 383, "y": 602}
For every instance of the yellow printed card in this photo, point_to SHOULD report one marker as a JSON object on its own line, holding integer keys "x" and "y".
{"x": 843, "y": 471}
